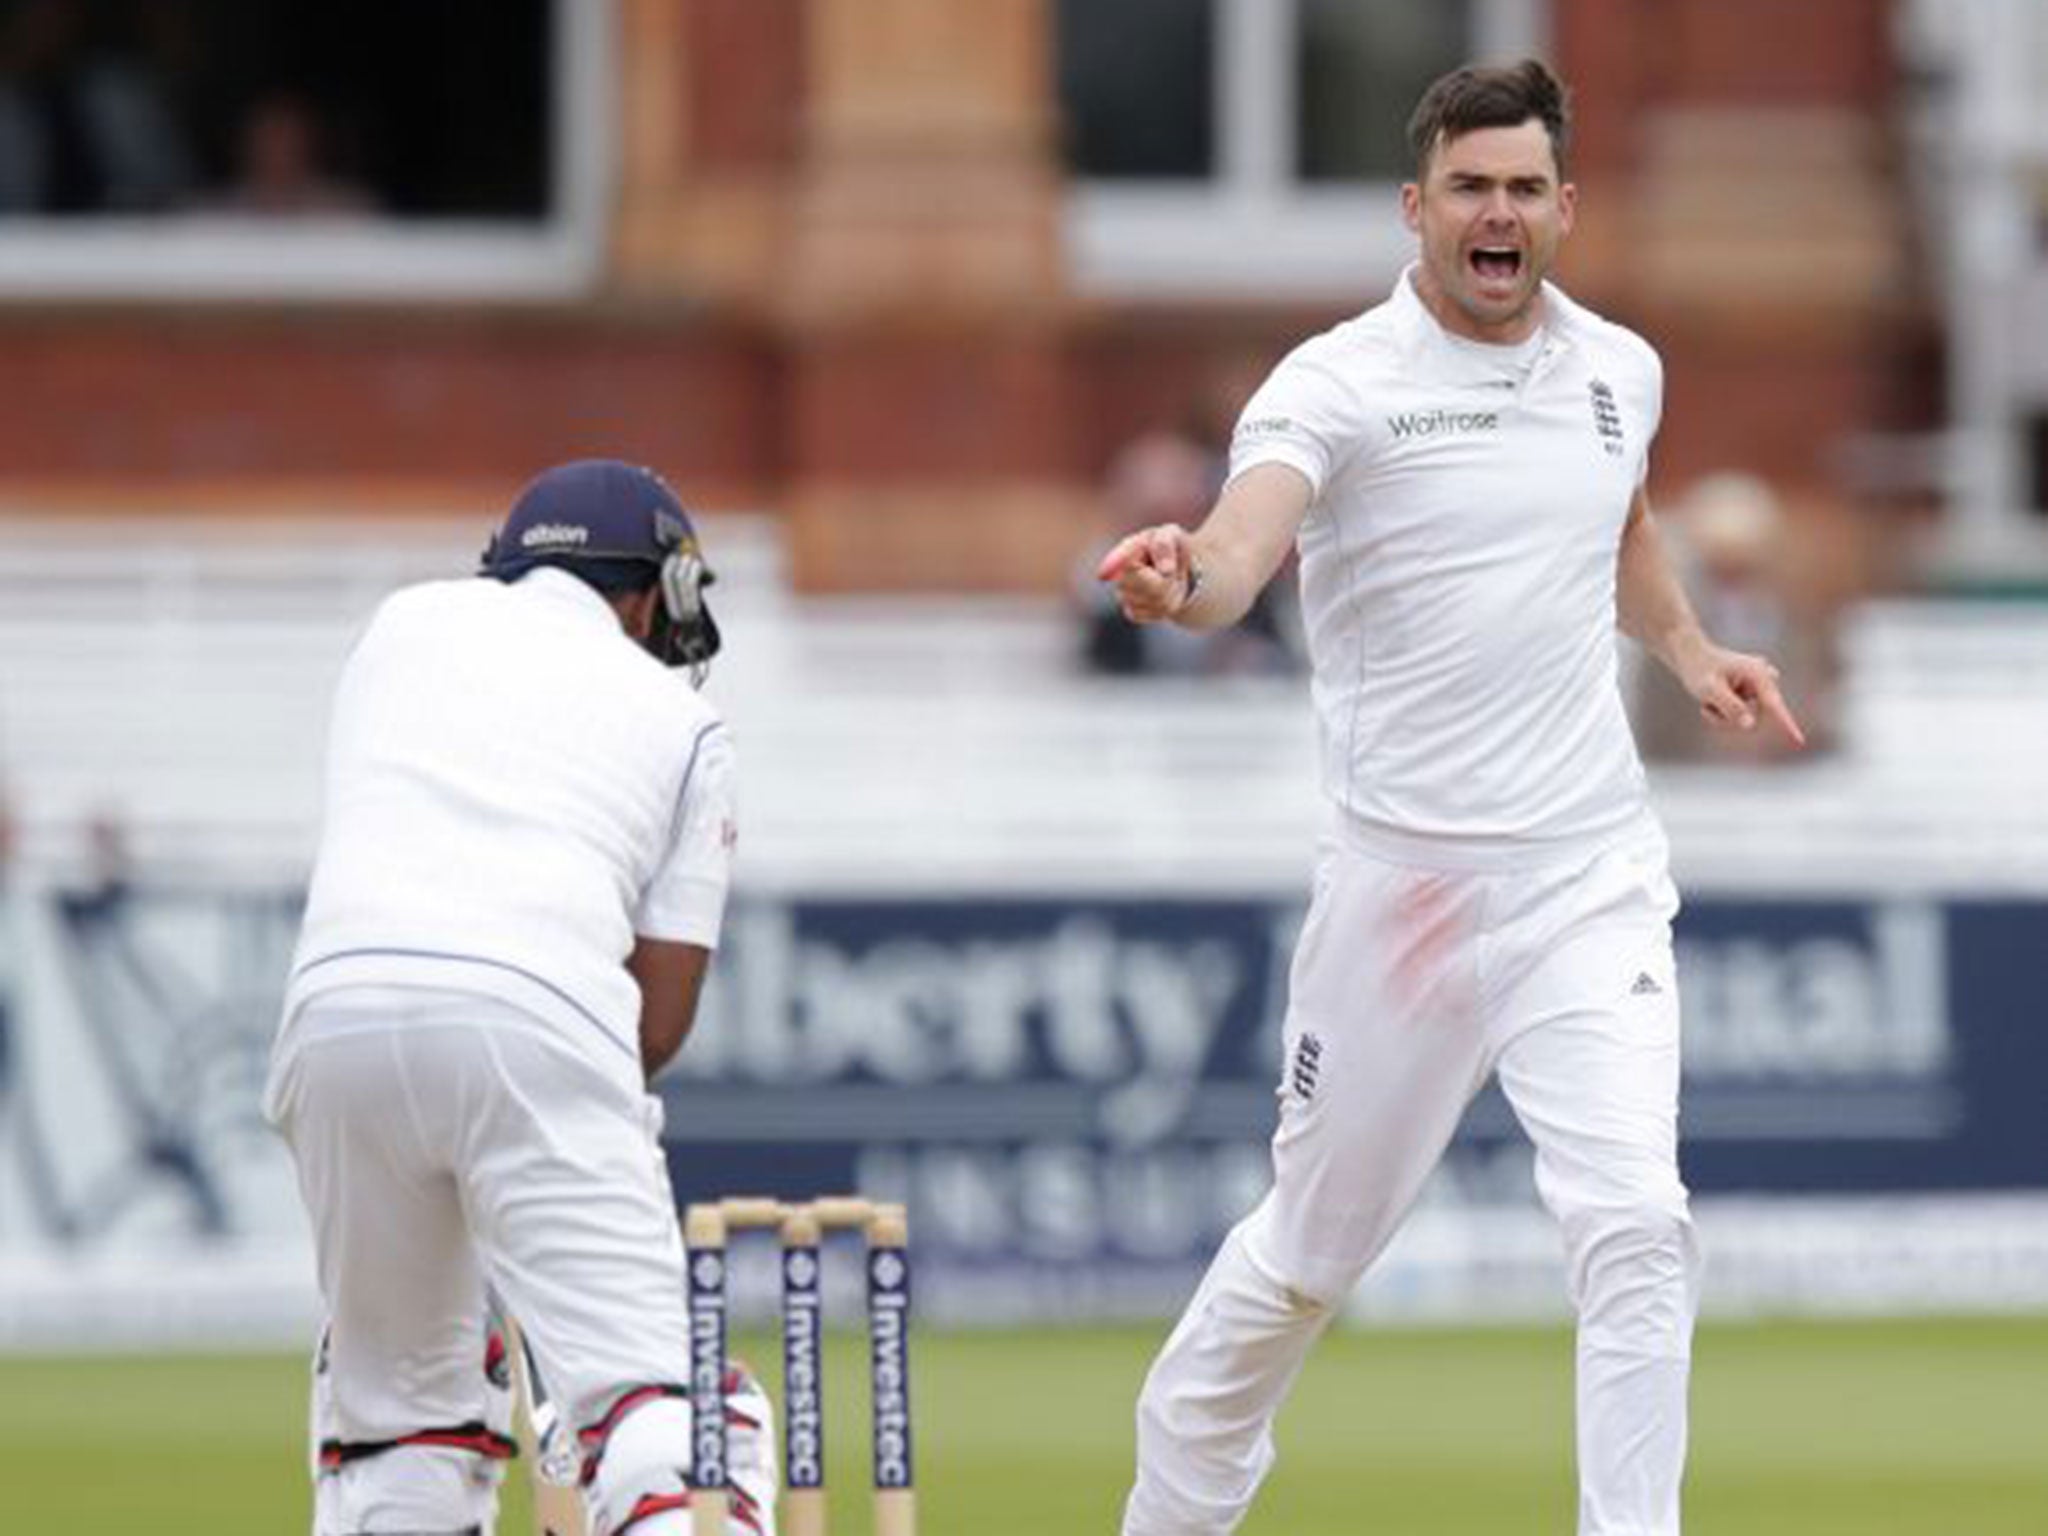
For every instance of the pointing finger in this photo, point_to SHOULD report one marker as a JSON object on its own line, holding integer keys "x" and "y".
{"x": 1774, "y": 705}
{"x": 1126, "y": 552}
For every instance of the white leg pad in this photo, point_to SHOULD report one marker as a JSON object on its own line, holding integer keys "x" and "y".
{"x": 418, "y": 1490}
{"x": 750, "y": 1454}
{"x": 645, "y": 1458}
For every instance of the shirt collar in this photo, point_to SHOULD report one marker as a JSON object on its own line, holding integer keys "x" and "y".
{"x": 1419, "y": 327}
{"x": 559, "y": 587}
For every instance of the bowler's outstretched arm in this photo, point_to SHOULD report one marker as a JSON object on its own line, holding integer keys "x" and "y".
{"x": 1208, "y": 578}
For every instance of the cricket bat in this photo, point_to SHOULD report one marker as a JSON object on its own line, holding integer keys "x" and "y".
{"x": 548, "y": 1444}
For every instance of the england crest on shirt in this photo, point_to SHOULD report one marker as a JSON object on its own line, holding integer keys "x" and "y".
{"x": 1606, "y": 416}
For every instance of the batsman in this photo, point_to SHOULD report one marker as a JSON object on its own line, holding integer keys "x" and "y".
{"x": 1462, "y": 469}
{"x": 520, "y": 881}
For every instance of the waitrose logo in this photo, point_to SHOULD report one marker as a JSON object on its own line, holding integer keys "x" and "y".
{"x": 1443, "y": 423}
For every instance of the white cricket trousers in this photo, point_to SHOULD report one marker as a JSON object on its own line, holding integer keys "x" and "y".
{"x": 1410, "y": 986}
{"x": 442, "y": 1142}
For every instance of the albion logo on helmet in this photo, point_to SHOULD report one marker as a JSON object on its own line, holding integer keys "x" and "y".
{"x": 554, "y": 536}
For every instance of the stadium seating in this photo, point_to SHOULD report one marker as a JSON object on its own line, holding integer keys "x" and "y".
{"x": 172, "y": 675}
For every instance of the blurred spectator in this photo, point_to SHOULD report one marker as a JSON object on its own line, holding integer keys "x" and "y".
{"x": 1728, "y": 542}
{"x": 1167, "y": 476}
{"x": 86, "y": 125}
{"x": 285, "y": 164}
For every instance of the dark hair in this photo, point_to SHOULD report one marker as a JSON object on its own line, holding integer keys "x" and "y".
{"x": 1490, "y": 97}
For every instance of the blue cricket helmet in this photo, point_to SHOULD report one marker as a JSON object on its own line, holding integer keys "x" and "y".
{"x": 599, "y": 518}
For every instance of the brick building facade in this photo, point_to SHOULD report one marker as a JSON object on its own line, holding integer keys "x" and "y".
{"x": 837, "y": 287}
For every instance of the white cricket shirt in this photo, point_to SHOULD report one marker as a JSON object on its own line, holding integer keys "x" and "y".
{"x": 1458, "y": 569}
{"x": 514, "y": 790}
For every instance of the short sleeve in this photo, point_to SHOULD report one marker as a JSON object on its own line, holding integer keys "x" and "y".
{"x": 1653, "y": 410}
{"x": 684, "y": 902}
{"x": 1299, "y": 417}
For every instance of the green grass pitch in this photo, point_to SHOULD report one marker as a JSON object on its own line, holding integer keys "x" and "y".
{"x": 1842, "y": 1429}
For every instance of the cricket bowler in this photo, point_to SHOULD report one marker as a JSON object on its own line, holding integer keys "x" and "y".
{"x": 1462, "y": 471}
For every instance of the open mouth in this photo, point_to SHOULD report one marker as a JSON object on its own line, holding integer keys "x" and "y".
{"x": 1497, "y": 263}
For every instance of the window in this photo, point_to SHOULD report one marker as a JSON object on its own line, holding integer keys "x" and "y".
{"x": 1257, "y": 150}
{"x": 258, "y": 149}
{"x": 2034, "y": 431}
{"x": 1358, "y": 68}
{"x": 1162, "y": 126}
